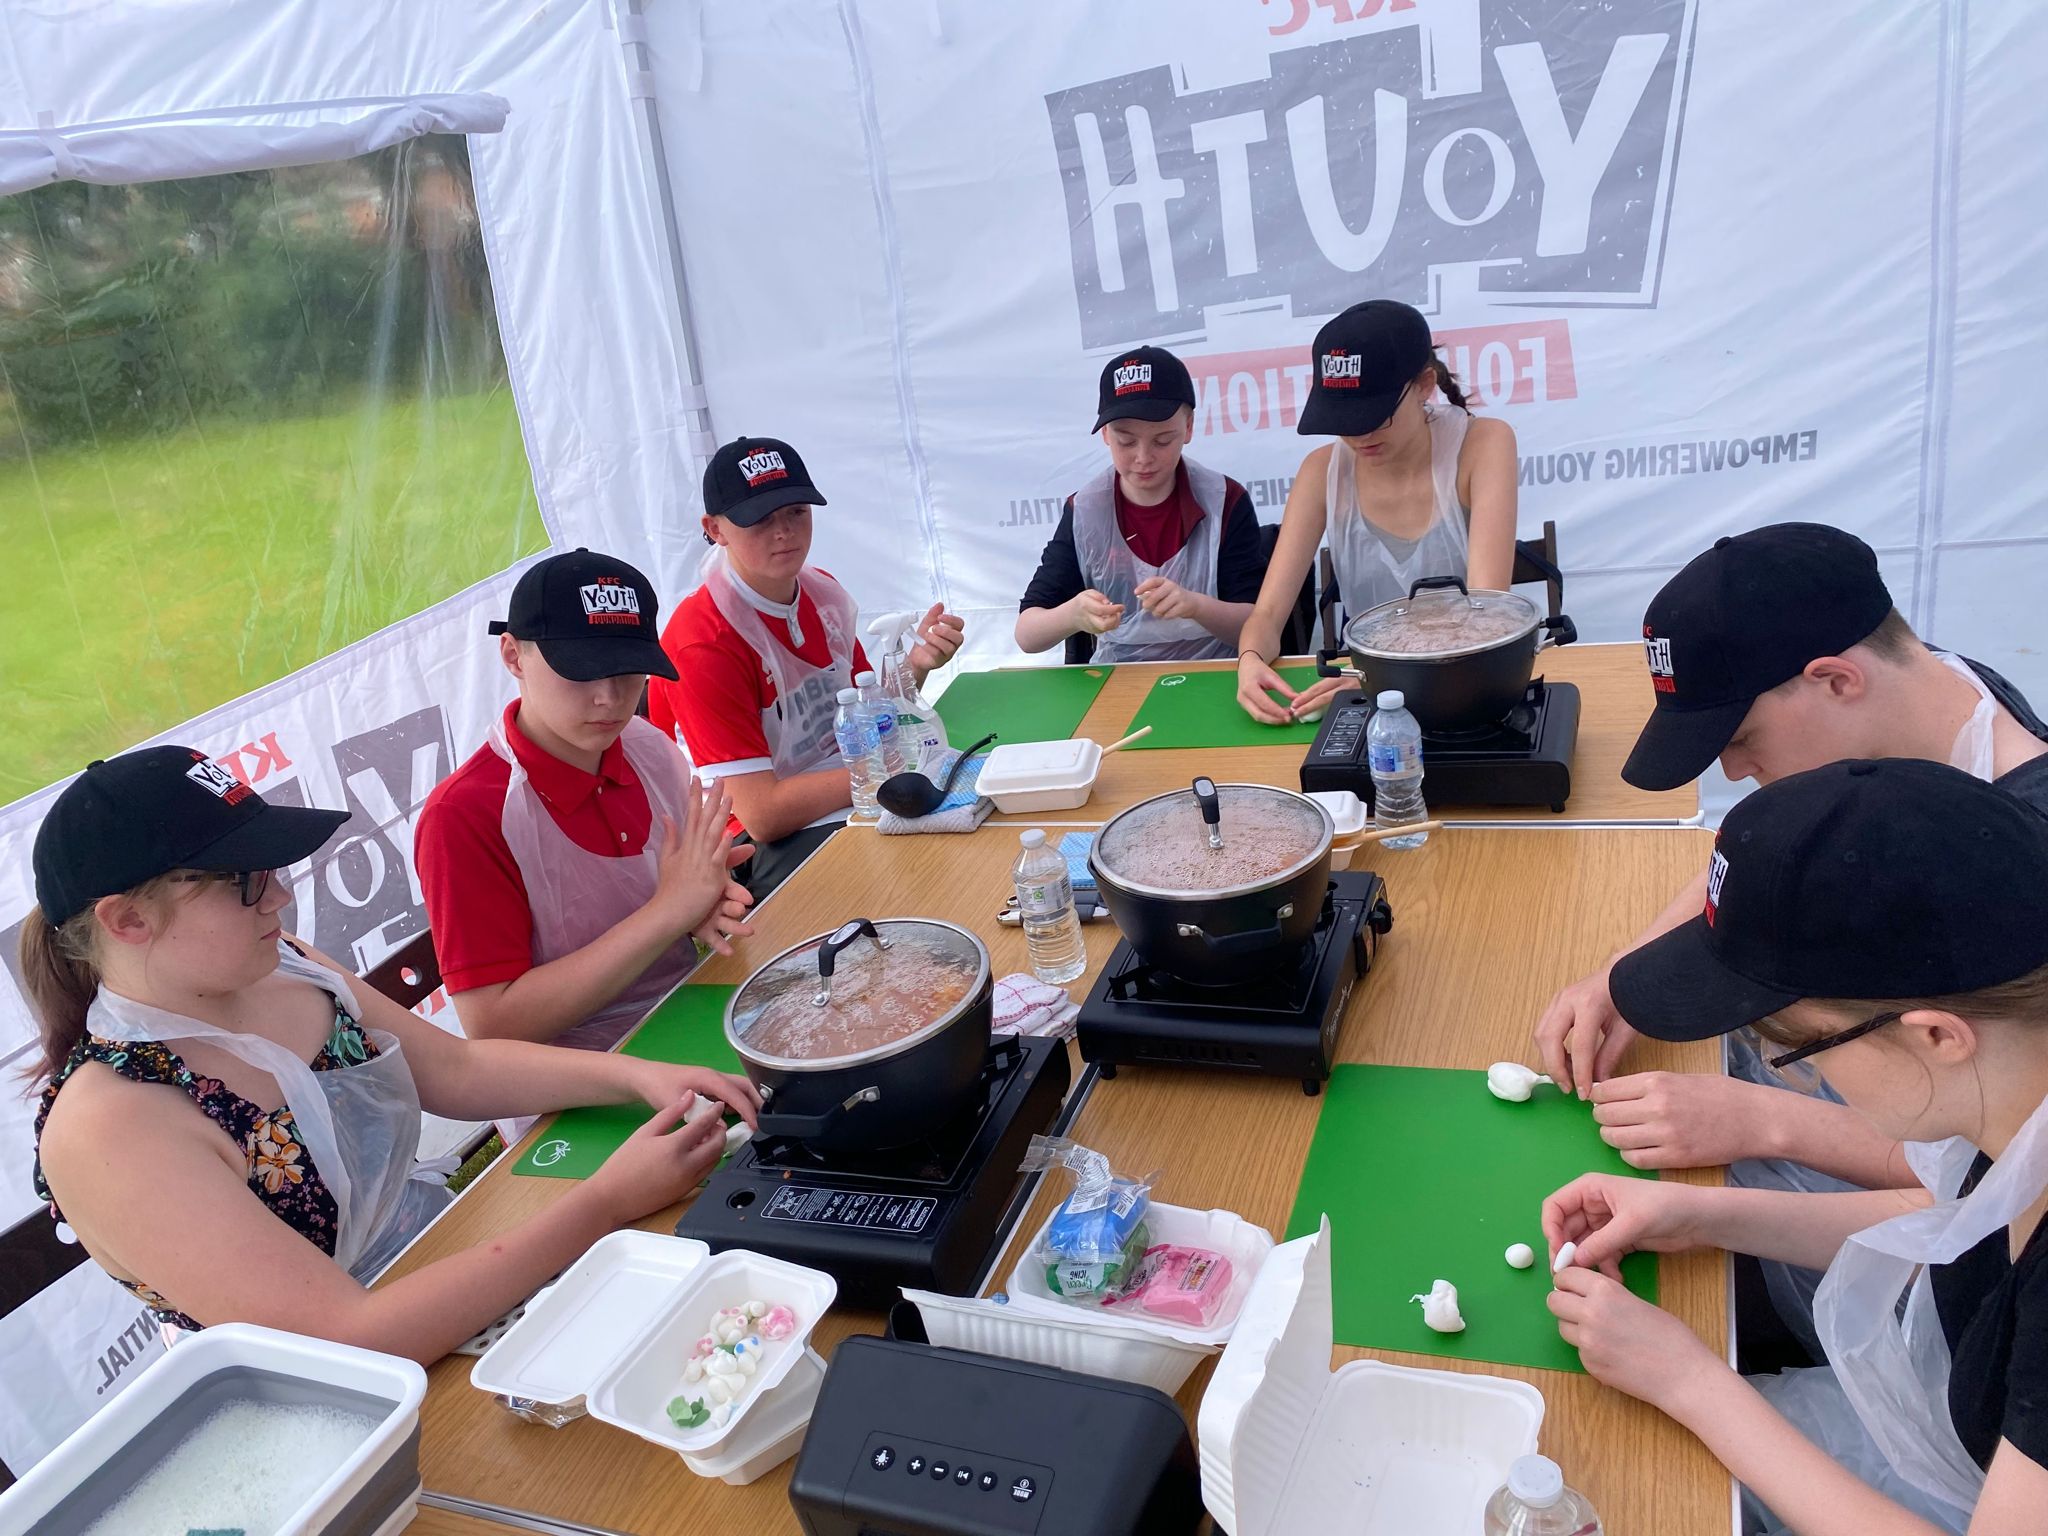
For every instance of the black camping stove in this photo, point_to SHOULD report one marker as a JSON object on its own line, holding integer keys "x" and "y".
{"x": 929, "y": 1215}
{"x": 1280, "y": 1021}
{"x": 1524, "y": 760}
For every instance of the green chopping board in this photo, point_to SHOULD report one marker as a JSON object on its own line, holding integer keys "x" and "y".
{"x": 1200, "y": 709}
{"x": 687, "y": 1028}
{"x": 1019, "y": 703}
{"x": 1425, "y": 1176}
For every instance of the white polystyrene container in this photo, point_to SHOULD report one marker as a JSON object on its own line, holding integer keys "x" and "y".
{"x": 1347, "y": 811}
{"x": 375, "y": 1490}
{"x": 1372, "y": 1450}
{"x": 775, "y": 1430}
{"x": 634, "y": 1391}
{"x": 1096, "y": 1345}
{"x": 1224, "y": 1232}
{"x": 1024, "y": 776}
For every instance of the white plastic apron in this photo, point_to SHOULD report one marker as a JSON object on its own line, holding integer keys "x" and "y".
{"x": 1109, "y": 566}
{"x": 576, "y": 896}
{"x": 1974, "y": 751}
{"x": 359, "y": 1124}
{"x": 799, "y": 728}
{"x": 1369, "y": 572}
{"x": 1893, "y": 1367}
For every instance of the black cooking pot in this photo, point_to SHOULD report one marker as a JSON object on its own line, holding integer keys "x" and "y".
{"x": 1460, "y": 660}
{"x": 868, "y": 1037}
{"x": 1210, "y": 883}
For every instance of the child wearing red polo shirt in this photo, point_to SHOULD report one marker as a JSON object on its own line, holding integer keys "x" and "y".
{"x": 767, "y": 641}
{"x": 569, "y": 864}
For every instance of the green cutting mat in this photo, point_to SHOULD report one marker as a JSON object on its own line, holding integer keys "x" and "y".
{"x": 1426, "y": 1175}
{"x": 687, "y": 1028}
{"x": 1200, "y": 709}
{"x": 1019, "y": 703}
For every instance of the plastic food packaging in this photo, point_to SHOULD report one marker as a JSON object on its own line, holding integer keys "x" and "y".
{"x": 1078, "y": 1280}
{"x": 1188, "y": 1285}
{"x": 1096, "y": 1221}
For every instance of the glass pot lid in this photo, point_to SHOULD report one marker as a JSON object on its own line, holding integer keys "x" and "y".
{"x": 869, "y": 988}
{"x": 1441, "y": 622}
{"x": 1164, "y": 847}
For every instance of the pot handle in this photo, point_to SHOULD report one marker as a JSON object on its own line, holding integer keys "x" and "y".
{"x": 809, "y": 1127}
{"x": 1212, "y": 808}
{"x": 828, "y": 954}
{"x": 1557, "y": 630}
{"x": 1256, "y": 941}
{"x": 1437, "y": 581}
{"x": 1326, "y": 666}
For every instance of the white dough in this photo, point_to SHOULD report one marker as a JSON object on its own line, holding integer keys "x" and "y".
{"x": 694, "y": 1371}
{"x": 1440, "y": 1307}
{"x": 1521, "y": 1255}
{"x": 747, "y": 1364}
{"x": 718, "y": 1389}
{"x": 1311, "y": 716}
{"x": 755, "y": 1308}
{"x": 1564, "y": 1258}
{"x": 1512, "y": 1081}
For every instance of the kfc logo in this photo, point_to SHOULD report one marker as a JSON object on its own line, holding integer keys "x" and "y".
{"x": 1659, "y": 652}
{"x": 1133, "y": 378}
{"x": 1716, "y": 873}
{"x": 762, "y": 467}
{"x": 216, "y": 780}
{"x": 1341, "y": 370}
{"x": 610, "y": 601}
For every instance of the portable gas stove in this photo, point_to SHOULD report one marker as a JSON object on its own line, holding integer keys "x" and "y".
{"x": 929, "y": 1215}
{"x": 1524, "y": 760}
{"x": 1280, "y": 1021}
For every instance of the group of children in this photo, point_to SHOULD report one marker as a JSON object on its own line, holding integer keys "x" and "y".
{"x": 1879, "y": 907}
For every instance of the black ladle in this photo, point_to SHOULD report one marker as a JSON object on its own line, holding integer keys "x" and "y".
{"x": 912, "y": 794}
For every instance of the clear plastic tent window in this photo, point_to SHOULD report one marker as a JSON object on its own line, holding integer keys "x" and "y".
{"x": 245, "y": 420}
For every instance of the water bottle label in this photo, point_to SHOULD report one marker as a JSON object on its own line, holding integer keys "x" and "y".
{"x": 1042, "y": 898}
{"x": 1398, "y": 758}
{"x": 853, "y": 741}
{"x": 885, "y": 724}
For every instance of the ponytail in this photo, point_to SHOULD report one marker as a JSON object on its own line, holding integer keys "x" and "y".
{"x": 62, "y": 977}
{"x": 1447, "y": 384}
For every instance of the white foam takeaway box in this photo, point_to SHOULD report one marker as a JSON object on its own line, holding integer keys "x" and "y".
{"x": 1288, "y": 1445}
{"x": 614, "y": 1333}
{"x": 1079, "y": 1341}
{"x": 374, "y": 1492}
{"x": 1025, "y": 776}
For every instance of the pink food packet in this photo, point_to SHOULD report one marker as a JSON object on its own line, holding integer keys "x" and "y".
{"x": 1187, "y": 1285}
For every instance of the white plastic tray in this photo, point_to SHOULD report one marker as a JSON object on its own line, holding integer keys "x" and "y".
{"x": 634, "y": 1391}
{"x": 1025, "y": 776}
{"x": 601, "y": 1307}
{"x": 1224, "y": 1232}
{"x": 775, "y": 1430}
{"x": 1074, "y": 1341}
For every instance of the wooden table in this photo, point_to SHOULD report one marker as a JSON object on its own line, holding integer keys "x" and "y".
{"x": 1614, "y": 701}
{"x": 1488, "y": 923}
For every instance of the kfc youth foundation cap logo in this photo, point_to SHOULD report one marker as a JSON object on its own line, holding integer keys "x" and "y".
{"x": 1133, "y": 378}
{"x": 1717, "y": 872}
{"x": 1659, "y": 652}
{"x": 609, "y": 600}
{"x": 217, "y": 781}
{"x": 762, "y": 467}
{"x": 1342, "y": 370}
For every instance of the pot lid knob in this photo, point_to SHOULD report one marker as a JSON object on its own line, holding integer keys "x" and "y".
{"x": 828, "y": 954}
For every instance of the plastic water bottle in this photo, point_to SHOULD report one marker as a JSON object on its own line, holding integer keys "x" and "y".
{"x": 1536, "y": 1502}
{"x": 1045, "y": 901}
{"x": 854, "y": 730}
{"x": 883, "y": 711}
{"x": 1393, "y": 745}
{"x": 920, "y": 732}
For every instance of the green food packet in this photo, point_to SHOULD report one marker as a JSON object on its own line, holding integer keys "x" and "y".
{"x": 1089, "y": 1282}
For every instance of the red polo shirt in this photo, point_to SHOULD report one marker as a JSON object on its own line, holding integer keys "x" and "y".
{"x": 476, "y": 899}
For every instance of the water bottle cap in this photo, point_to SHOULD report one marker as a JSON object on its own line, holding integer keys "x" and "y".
{"x": 1392, "y": 698}
{"x": 1032, "y": 839}
{"x": 865, "y": 680}
{"x": 849, "y": 695}
{"x": 1536, "y": 1481}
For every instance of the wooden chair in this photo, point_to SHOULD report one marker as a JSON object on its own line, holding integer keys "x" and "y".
{"x": 410, "y": 972}
{"x": 1535, "y": 561}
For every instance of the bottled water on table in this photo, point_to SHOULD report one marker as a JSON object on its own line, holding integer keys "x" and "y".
{"x": 1045, "y": 902}
{"x": 859, "y": 745}
{"x": 883, "y": 709}
{"x": 1536, "y": 1502}
{"x": 1393, "y": 747}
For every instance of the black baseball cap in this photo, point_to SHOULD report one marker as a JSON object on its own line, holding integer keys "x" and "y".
{"x": 591, "y": 615}
{"x": 1878, "y": 878}
{"x": 1364, "y": 361}
{"x": 1736, "y": 622}
{"x": 130, "y": 818}
{"x": 1143, "y": 384}
{"x": 751, "y": 476}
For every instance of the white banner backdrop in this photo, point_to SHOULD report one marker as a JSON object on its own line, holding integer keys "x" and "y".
{"x": 1717, "y": 265}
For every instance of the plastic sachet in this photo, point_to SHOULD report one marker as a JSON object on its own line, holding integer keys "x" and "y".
{"x": 1090, "y": 1239}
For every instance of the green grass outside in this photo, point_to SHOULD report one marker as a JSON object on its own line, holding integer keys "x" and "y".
{"x": 153, "y": 578}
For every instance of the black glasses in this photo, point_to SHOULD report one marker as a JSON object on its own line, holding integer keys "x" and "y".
{"x": 1829, "y": 1042}
{"x": 252, "y": 883}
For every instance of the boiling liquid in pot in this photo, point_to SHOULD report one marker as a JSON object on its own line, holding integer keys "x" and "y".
{"x": 1427, "y": 628}
{"x": 1166, "y": 845}
{"x": 877, "y": 998}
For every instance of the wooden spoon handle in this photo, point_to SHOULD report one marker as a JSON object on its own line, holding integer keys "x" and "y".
{"x": 1379, "y": 834}
{"x": 1143, "y": 730}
